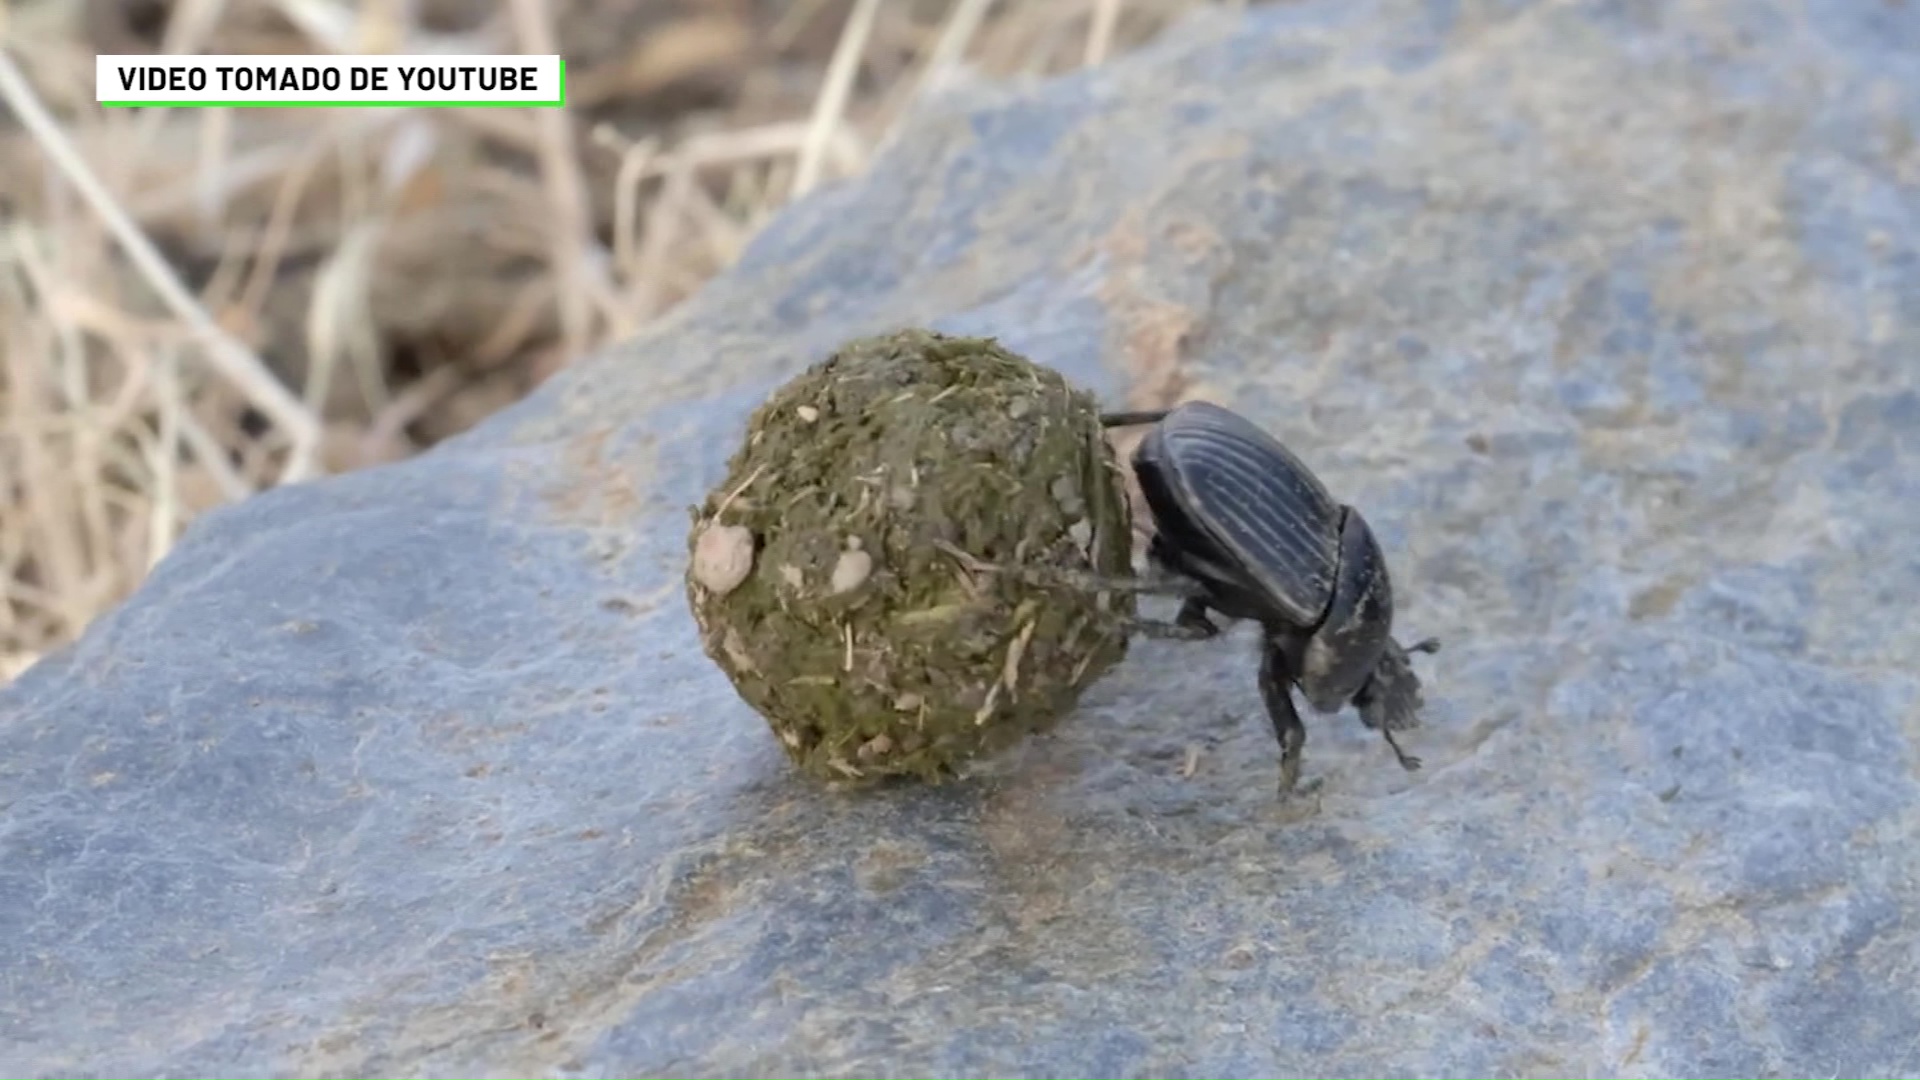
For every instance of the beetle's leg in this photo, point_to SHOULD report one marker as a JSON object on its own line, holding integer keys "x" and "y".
{"x": 1292, "y": 734}
{"x": 1130, "y": 419}
{"x": 1087, "y": 581}
{"x": 1152, "y": 584}
{"x": 1193, "y": 616}
{"x": 1191, "y": 624}
{"x": 1425, "y": 645}
{"x": 1407, "y": 761}
{"x": 1161, "y": 630}
{"x": 1372, "y": 704}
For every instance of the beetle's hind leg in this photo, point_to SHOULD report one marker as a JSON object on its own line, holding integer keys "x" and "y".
{"x": 1133, "y": 419}
{"x": 1191, "y": 624}
{"x": 1151, "y": 584}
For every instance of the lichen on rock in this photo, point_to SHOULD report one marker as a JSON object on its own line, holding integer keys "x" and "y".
{"x": 859, "y": 628}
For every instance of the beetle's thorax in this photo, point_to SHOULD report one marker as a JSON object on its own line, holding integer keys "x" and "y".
{"x": 1354, "y": 630}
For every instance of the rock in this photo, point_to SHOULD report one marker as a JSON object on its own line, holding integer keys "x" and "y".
{"x": 1606, "y": 314}
{"x": 722, "y": 558}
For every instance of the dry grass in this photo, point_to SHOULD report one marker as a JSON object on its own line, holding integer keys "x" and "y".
{"x": 196, "y": 305}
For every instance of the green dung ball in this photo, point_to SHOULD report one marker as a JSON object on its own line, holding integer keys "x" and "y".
{"x": 837, "y": 574}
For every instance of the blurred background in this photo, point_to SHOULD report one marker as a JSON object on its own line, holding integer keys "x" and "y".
{"x": 198, "y": 304}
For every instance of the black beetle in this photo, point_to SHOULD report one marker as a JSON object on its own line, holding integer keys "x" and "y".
{"x": 1244, "y": 528}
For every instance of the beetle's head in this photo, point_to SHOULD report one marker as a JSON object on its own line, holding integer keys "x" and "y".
{"x": 1390, "y": 700}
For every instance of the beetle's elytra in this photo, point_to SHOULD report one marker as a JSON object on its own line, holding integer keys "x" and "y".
{"x": 1245, "y": 529}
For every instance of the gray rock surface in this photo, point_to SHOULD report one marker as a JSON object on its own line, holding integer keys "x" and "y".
{"x": 1608, "y": 314}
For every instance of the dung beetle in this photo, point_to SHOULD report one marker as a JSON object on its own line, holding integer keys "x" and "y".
{"x": 1244, "y": 528}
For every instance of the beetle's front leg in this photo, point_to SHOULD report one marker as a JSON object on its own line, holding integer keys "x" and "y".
{"x": 1390, "y": 698}
{"x": 1274, "y": 677}
{"x": 1369, "y": 703}
{"x": 1407, "y": 761}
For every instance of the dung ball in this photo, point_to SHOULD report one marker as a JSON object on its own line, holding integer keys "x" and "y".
{"x": 880, "y": 572}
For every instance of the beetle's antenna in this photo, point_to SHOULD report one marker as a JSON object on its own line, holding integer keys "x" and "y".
{"x": 1132, "y": 419}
